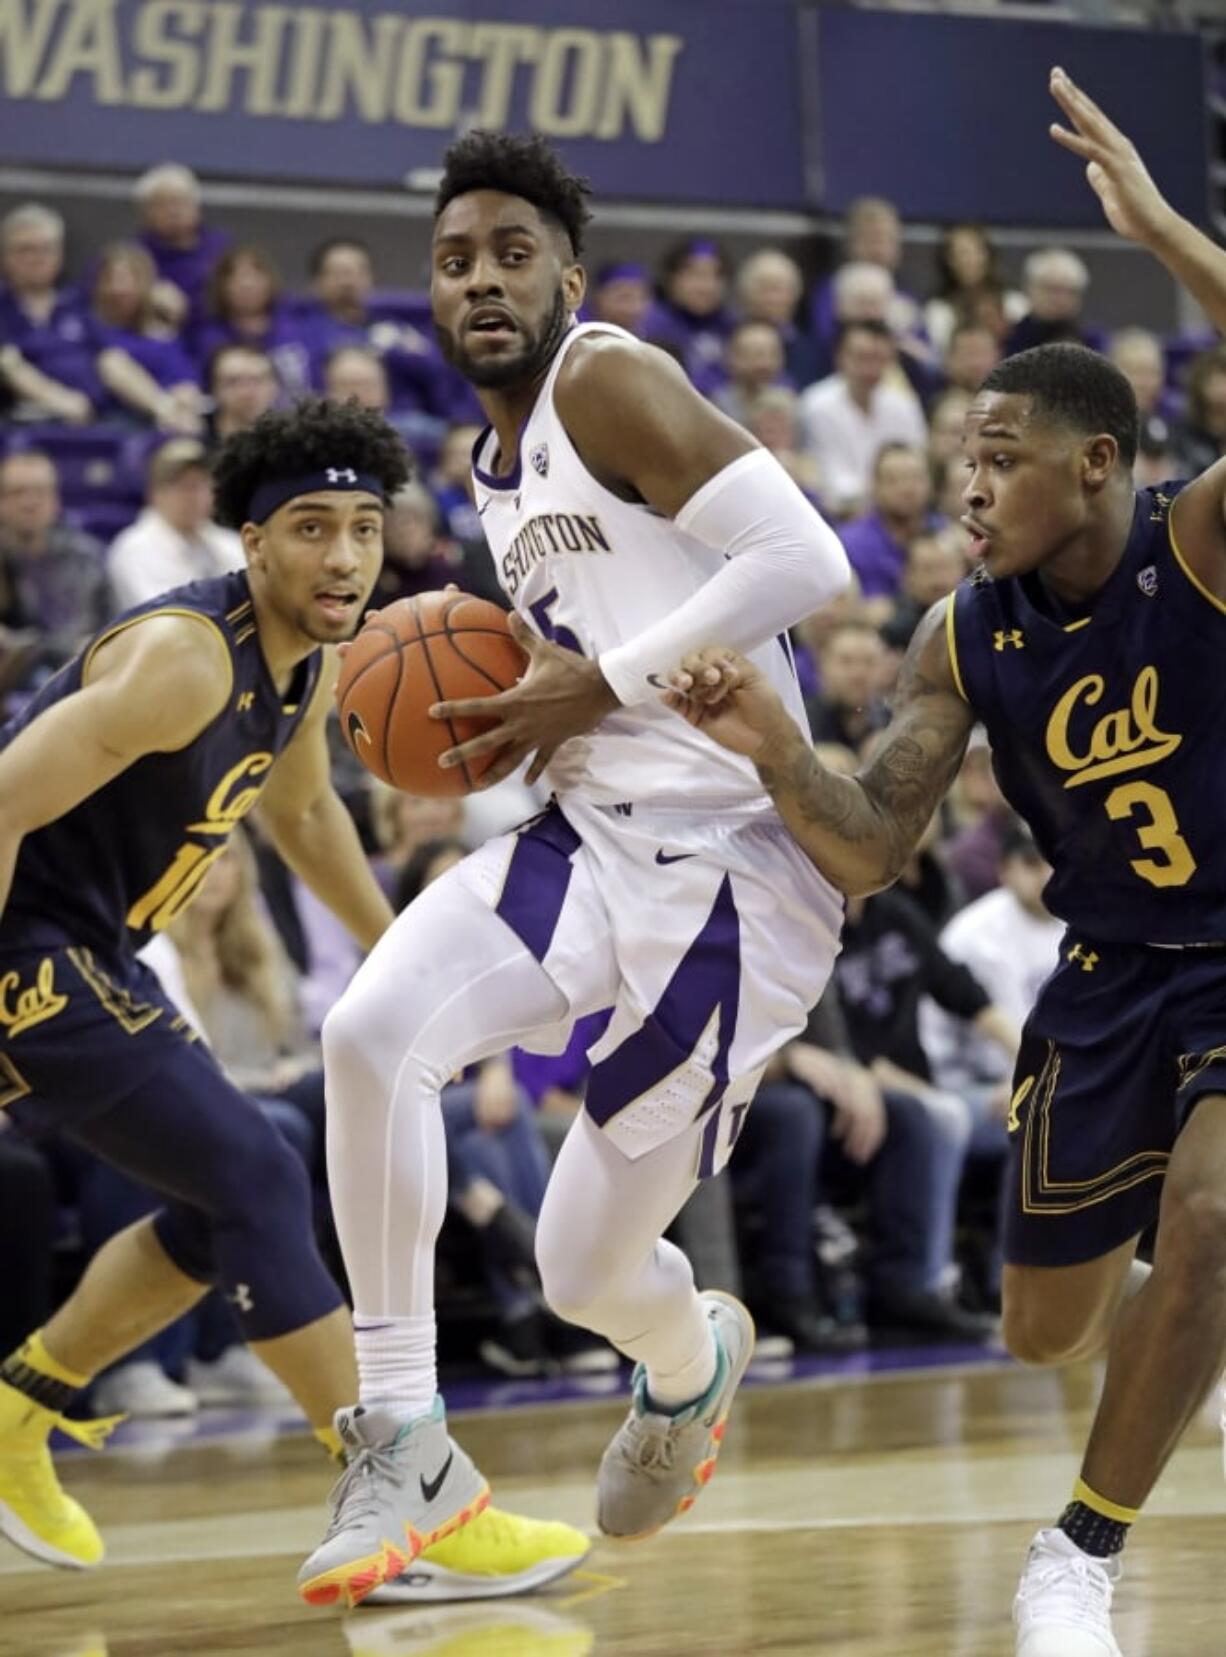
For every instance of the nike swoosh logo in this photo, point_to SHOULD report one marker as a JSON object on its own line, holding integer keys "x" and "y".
{"x": 674, "y": 857}
{"x": 431, "y": 1487}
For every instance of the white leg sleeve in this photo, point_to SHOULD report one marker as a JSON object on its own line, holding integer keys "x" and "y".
{"x": 605, "y": 1265}
{"x": 447, "y": 985}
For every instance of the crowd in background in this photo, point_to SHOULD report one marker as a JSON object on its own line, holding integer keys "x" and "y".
{"x": 863, "y": 1197}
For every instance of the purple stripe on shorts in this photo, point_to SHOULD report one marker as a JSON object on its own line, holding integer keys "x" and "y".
{"x": 708, "y": 976}
{"x": 537, "y": 880}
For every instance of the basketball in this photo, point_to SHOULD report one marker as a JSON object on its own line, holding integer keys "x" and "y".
{"x": 437, "y": 647}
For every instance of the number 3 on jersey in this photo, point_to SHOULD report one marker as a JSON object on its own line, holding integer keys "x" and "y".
{"x": 559, "y": 635}
{"x": 1159, "y": 834}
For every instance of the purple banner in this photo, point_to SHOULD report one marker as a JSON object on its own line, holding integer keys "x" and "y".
{"x": 948, "y": 116}
{"x": 674, "y": 100}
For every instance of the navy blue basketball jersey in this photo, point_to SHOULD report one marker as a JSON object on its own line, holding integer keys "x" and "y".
{"x": 121, "y": 865}
{"x": 1108, "y": 732}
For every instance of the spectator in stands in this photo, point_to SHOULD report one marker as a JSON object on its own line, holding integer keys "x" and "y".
{"x": 774, "y": 419}
{"x": 969, "y": 287}
{"x": 1139, "y": 356}
{"x": 1011, "y": 943}
{"x": 890, "y": 959}
{"x": 873, "y": 237}
{"x": 689, "y": 316}
{"x": 242, "y": 384}
{"x": 949, "y": 481}
{"x": 402, "y": 823}
{"x": 174, "y": 540}
{"x": 849, "y": 416}
{"x": 48, "y": 356}
{"x": 769, "y": 288}
{"x": 358, "y": 371}
{"x": 865, "y": 292}
{"x": 1056, "y": 283}
{"x": 244, "y": 307}
{"x": 753, "y": 360}
{"x": 946, "y": 423}
{"x": 877, "y": 543}
{"x": 161, "y": 381}
{"x": 973, "y": 852}
{"x": 849, "y": 705}
{"x": 621, "y": 294}
{"x": 183, "y": 247}
{"x": 936, "y": 562}
{"x": 417, "y": 556}
{"x": 1202, "y": 438}
{"x": 52, "y": 580}
{"x": 973, "y": 353}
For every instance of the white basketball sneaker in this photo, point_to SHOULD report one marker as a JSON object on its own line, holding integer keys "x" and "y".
{"x": 1063, "y": 1604}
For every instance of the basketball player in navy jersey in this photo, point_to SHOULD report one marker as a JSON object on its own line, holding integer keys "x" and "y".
{"x": 120, "y": 785}
{"x": 1090, "y": 643}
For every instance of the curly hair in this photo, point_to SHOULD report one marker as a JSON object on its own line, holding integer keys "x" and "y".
{"x": 518, "y": 165}
{"x": 1074, "y": 387}
{"x": 311, "y": 435}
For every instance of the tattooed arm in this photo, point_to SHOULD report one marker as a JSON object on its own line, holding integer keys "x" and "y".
{"x": 859, "y": 830}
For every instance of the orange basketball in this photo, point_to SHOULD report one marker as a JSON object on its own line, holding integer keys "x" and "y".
{"x": 438, "y": 647}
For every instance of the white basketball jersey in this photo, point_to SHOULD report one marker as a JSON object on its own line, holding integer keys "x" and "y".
{"x": 591, "y": 571}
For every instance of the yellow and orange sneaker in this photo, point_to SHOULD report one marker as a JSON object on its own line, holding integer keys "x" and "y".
{"x": 35, "y": 1511}
{"x": 495, "y": 1556}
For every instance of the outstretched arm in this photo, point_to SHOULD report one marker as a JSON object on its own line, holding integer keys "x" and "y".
{"x": 859, "y": 831}
{"x": 1134, "y": 206}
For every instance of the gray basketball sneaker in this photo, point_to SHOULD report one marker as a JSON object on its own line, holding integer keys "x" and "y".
{"x": 656, "y": 1465}
{"x": 408, "y": 1484}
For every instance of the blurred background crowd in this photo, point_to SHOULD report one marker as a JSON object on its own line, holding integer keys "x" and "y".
{"x": 862, "y": 1201}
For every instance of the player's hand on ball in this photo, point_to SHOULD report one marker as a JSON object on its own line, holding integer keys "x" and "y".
{"x": 1133, "y": 203}
{"x": 561, "y": 695}
{"x": 724, "y": 695}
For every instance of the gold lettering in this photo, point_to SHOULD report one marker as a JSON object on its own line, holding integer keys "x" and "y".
{"x": 1124, "y": 740}
{"x": 303, "y": 76}
{"x": 31, "y": 1006}
{"x": 258, "y": 57}
{"x": 223, "y": 810}
{"x": 359, "y": 68}
{"x": 23, "y": 42}
{"x": 170, "y": 895}
{"x": 89, "y": 45}
{"x": 500, "y": 47}
{"x": 156, "y": 43}
{"x": 637, "y": 89}
{"x": 428, "y": 93}
{"x": 572, "y": 55}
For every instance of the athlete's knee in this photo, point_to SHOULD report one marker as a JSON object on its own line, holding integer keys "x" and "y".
{"x": 263, "y": 1183}
{"x": 1192, "y": 1235}
{"x": 1044, "y": 1326}
{"x": 574, "y": 1279}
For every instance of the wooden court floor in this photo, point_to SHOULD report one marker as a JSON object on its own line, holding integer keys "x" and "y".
{"x": 883, "y": 1517}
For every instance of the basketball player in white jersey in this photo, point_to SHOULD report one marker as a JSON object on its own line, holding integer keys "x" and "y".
{"x": 630, "y": 522}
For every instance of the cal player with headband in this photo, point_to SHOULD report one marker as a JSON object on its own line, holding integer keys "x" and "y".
{"x": 629, "y": 521}
{"x": 1090, "y": 643}
{"x": 120, "y": 785}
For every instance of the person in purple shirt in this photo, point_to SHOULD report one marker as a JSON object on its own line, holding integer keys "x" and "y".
{"x": 244, "y": 307}
{"x": 621, "y": 294}
{"x": 689, "y": 319}
{"x": 47, "y": 350}
{"x": 877, "y": 544}
{"x": 183, "y": 248}
{"x": 161, "y": 382}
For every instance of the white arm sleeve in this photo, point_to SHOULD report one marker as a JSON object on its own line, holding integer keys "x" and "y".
{"x": 784, "y": 562}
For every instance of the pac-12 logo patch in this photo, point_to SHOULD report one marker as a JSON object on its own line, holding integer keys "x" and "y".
{"x": 539, "y": 459}
{"x": 1147, "y": 580}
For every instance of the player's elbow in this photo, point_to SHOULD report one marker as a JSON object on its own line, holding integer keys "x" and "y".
{"x": 827, "y": 570}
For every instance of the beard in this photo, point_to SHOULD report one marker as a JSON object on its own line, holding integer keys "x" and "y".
{"x": 518, "y": 367}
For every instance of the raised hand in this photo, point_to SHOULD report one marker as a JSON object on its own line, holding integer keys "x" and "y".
{"x": 1134, "y": 205}
{"x": 724, "y": 695}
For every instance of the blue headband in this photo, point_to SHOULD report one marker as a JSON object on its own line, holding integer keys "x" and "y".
{"x": 274, "y": 492}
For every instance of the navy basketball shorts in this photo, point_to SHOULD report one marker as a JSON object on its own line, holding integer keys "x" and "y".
{"x": 1123, "y": 1041}
{"x": 80, "y": 1031}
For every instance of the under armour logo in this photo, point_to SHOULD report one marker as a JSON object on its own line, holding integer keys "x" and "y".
{"x": 242, "y": 1297}
{"x": 1014, "y": 637}
{"x": 341, "y": 474}
{"x": 1147, "y": 580}
{"x": 1087, "y": 957}
{"x": 246, "y": 701}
